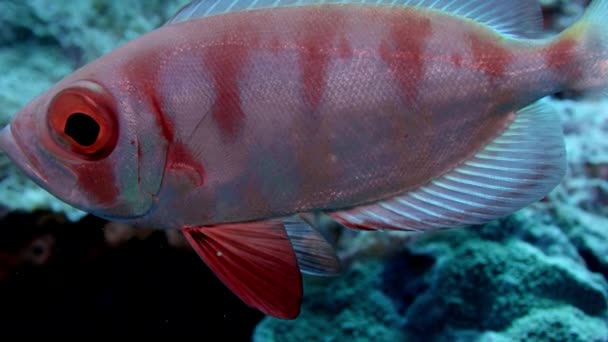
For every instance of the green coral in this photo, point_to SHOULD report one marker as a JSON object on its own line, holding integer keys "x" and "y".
{"x": 85, "y": 29}
{"x": 588, "y": 234}
{"x": 350, "y": 307}
{"x": 504, "y": 281}
{"x": 556, "y": 325}
{"x": 485, "y": 285}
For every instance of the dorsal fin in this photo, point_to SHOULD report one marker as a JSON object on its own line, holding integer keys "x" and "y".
{"x": 514, "y": 18}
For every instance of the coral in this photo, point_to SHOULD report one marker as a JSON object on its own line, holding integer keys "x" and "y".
{"x": 484, "y": 282}
{"x": 83, "y": 30}
{"x": 585, "y": 125}
{"x": 589, "y": 235}
{"x": 554, "y": 325}
{"x": 486, "y": 285}
{"x": 351, "y": 307}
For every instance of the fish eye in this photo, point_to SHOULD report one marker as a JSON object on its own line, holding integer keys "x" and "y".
{"x": 81, "y": 120}
{"x": 82, "y": 128}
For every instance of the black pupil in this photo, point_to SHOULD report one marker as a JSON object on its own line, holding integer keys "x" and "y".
{"x": 82, "y": 128}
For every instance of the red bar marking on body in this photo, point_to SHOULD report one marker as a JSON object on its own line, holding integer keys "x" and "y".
{"x": 403, "y": 51}
{"x": 166, "y": 127}
{"x": 489, "y": 56}
{"x": 456, "y": 59}
{"x": 226, "y": 63}
{"x": 345, "y": 50}
{"x": 145, "y": 77}
{"x": 180, "y": 158}
{"x": 316, "y": 45}
{"x": 97, "y": 180}
{"x": 275, "y": 45}
{"x": 561, "y": 57}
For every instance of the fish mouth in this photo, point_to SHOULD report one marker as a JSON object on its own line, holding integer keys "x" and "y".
{"x": 15, "y": 153}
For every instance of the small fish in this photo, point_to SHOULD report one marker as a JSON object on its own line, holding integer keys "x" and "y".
{"x": 239, "y": 118}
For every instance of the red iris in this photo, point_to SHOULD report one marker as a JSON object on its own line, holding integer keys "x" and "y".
{"x": 83, "y": 121}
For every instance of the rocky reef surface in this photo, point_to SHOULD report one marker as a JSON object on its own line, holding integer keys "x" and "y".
{"x": 538, "y": 275}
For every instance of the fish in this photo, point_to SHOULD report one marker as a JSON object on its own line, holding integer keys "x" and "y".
{"x": 238, "y": 120}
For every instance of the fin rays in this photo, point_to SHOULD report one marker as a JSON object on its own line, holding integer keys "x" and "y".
{"x": 261, "y": 261}
{"x": 515, "y": 18}
{"x": 494, "y": 183}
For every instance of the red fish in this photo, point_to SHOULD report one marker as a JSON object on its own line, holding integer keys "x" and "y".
{"x": 237, "y": 117}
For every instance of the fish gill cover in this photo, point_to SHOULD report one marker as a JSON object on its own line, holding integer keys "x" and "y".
{"x": 538, "y": 275}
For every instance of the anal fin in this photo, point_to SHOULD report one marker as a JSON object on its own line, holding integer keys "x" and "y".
{"x": 518, "y": 168}
{"x": 260, "y": 261}
{"x": 315, "y": 255}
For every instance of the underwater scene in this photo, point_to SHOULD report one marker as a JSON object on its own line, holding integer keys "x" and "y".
{"x": 310, "y": 170}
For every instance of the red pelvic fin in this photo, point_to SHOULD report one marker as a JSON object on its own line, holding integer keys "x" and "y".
{"x": 256, "y": 261}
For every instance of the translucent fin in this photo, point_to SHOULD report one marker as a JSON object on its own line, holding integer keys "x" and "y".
{"x": 519, "y": 167}
{"x": 591, "y": 34}
{"x": 254, "y": 260}
{"x": 516, "y": 18}
{"x": 597, "y": 12}
{"x": 315, "y": 255}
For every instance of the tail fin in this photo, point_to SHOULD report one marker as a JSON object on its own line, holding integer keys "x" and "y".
{"x": 583, "y": 49}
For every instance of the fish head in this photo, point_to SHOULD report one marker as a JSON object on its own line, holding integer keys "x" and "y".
{"x": 78, "y": 143}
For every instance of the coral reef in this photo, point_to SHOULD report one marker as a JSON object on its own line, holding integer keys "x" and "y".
{"x": 353, "y": 308}
{"x": 514, "y": 279}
